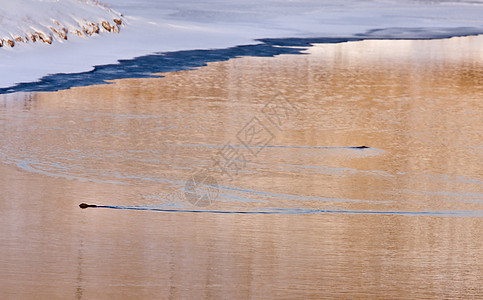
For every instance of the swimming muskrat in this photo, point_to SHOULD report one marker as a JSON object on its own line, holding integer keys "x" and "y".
{"x": 85, "y": 205}
{"x": 361, "y": 147}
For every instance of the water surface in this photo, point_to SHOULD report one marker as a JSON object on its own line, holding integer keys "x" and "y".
{"x": 297, "y": 207}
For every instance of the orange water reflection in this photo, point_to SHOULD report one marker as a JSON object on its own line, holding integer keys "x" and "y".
{"x": 416, "y": 104}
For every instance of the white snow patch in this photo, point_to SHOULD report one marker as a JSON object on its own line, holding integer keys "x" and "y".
{"x": 161, "y": 26}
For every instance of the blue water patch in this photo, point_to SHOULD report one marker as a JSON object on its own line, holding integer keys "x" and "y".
{"x": 146, "y": 66}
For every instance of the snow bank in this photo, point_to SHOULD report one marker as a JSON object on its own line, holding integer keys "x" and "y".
{"x": 49, "y": 20}
{"x": 162, "y": 26}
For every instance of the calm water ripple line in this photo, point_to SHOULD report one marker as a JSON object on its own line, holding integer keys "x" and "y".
{"x": 473, "y": 214}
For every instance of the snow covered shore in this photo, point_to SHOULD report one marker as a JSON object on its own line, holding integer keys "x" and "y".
{"x": 163, "y": 26}
{"x": 23, "y": 21}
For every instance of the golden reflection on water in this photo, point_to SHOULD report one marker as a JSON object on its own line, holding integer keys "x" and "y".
{"x": 416, "y": 104}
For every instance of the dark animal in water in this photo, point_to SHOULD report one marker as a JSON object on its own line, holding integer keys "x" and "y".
{"x": 85, "y": 205}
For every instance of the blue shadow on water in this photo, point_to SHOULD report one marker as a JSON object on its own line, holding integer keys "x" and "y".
{"x": 274, "y": 211}
{"x": 146, "y": 66}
